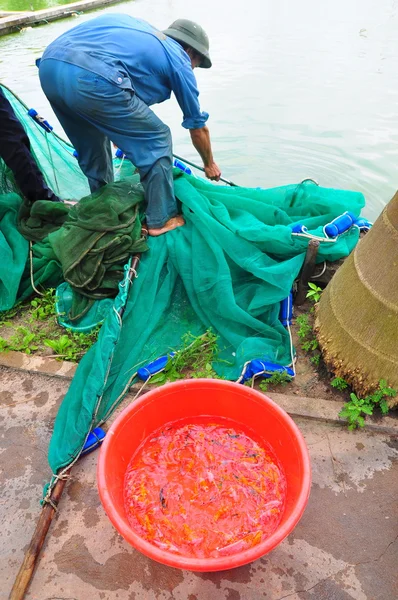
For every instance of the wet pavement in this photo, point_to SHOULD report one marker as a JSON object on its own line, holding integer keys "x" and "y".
{"x": 345, "y": 546}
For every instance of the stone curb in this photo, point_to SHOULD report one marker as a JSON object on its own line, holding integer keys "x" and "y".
{"x": 12, "y": 21}
{"x": 328, "y": 411}
{"x": 42, "y": 365}
{"x": 296, "y": 406}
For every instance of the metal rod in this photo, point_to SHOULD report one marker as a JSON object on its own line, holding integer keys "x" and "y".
{"x": 306, "y": 272}
{"x": 191, "y": 164}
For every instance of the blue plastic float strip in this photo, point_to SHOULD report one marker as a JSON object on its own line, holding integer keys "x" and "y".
{"x": 95, "y": 439}
{"x": 154, "y": 367}
{"x": 336, "y": 227}
{"x": 119, "y": 154}
{"x": 252, "y": 369}
{"x": 177, "y": 163}
{"x": 257, "y": 367}
{"x": 286, "y": 310}
{"x": 40, "y": 121}
{"x": 285, "y": 316}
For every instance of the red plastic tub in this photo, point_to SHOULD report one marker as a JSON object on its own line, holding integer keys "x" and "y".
{"x": 189, "y": 399}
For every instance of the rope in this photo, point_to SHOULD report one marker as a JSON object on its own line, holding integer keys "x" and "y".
{"x": 14, "y": 94}
{"x": 134, "y": 272}
{"x": 119, "y": 318}
{"x": 120, "y": 166}
{"x": 244, "y": 369}
{"x": 321, "y": 273}
{"x": 31, "y": 270}
{"x": 58, "y": 137}
{"x": 316, "y": 237}
{"x": 64, "y": 475}
{"x": 49, "y": 501}
{"x": 309, "y": 179}
{"x": 51, "y": 161}
{"x": 291, "y": 350}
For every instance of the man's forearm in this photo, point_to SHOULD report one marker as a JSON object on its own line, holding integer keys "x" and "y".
{"x": 201, "y": 141}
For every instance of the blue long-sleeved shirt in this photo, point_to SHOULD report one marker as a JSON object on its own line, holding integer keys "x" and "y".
{"x": 133, "y": 54}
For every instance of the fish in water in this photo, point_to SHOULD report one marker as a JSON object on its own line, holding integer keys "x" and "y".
{"x": 204, "y": 489}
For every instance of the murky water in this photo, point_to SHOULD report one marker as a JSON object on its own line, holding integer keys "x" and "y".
{"x": 298, "y": 89}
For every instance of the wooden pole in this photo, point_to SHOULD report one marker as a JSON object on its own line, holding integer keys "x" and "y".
{"x": 306, "y": 272}
{"x": 25, "y": 573}
{"x": 32, "y": 554}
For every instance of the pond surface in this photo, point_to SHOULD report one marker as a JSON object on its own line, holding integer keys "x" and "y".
{"x": 298, "y": 89}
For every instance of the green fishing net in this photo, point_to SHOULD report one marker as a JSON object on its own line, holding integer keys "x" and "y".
{"x": 227, "y": 269}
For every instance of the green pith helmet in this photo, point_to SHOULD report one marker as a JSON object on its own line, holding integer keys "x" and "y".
{"x": 193, "y": 35}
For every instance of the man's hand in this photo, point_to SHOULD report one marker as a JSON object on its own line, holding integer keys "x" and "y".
{"x": 201, "y": 141}
{"x": 213, "y": 172}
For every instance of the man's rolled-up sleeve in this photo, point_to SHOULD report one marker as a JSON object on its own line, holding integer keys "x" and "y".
{"x": 186, "y": 91}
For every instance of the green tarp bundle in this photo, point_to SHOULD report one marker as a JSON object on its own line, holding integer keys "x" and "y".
{"x": 227, "y": 269}
{"x": 100, "y": 234}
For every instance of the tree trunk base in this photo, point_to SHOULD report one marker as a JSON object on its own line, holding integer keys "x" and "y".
{"x": 357, "y": 316}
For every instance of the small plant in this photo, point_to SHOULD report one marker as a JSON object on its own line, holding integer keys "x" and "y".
{"x": 35, "y": 326}
{"x": 24, "y": 340}
{"x": 339, "y": 383}
{"x": 72, "y": 346}
{"x": 278, "y": 378}
{"x": 83, "y": 341}
{"x": 310, "y": 345}
{"x": 61, "y": 345}
{"x": 6, "y": 315}
{"x": 315, "y": 359}
{"x": 381, "y": 394}
{"x": 194, "y": 358}
{"x": 354, "y": 410}
{"x": 304, "y": 326}
{"x": 4, "y": 345}
{"x": 314, "y": 292}
{"x": 43, "y": 306}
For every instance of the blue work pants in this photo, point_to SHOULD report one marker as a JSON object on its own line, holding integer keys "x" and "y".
{"x": 93, "y": 111}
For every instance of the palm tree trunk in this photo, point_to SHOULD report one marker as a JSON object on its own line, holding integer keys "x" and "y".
{"x": 357, "y": 316}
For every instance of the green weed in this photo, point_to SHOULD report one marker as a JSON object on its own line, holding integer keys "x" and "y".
{"x": 354, "y": 410}
{"x": 61, "y": 346}
{"x": 4, "y": 346}
{"x": 38, "y": 328}
{"x": 278, "y": 378}
{"x": 310, "y": 345}
{"x": 309, "y": 342}
{"x": 6, "y": 315}
{"x": 71, "y": 345}
{"x": 195, "y": 357}
{"x": 43, "y": 307}
{"x": 314, "y": 292}
{"x": 339, "y": 383}
{"x": 24, "y": 340}
{"x": 304, "y": 326}
{"x": 315, "y": 359}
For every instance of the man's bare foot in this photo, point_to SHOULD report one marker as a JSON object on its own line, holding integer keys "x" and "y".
{"x": 171, "y": 224}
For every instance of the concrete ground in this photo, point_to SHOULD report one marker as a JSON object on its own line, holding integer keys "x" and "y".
{"x": 345, "y": 547}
